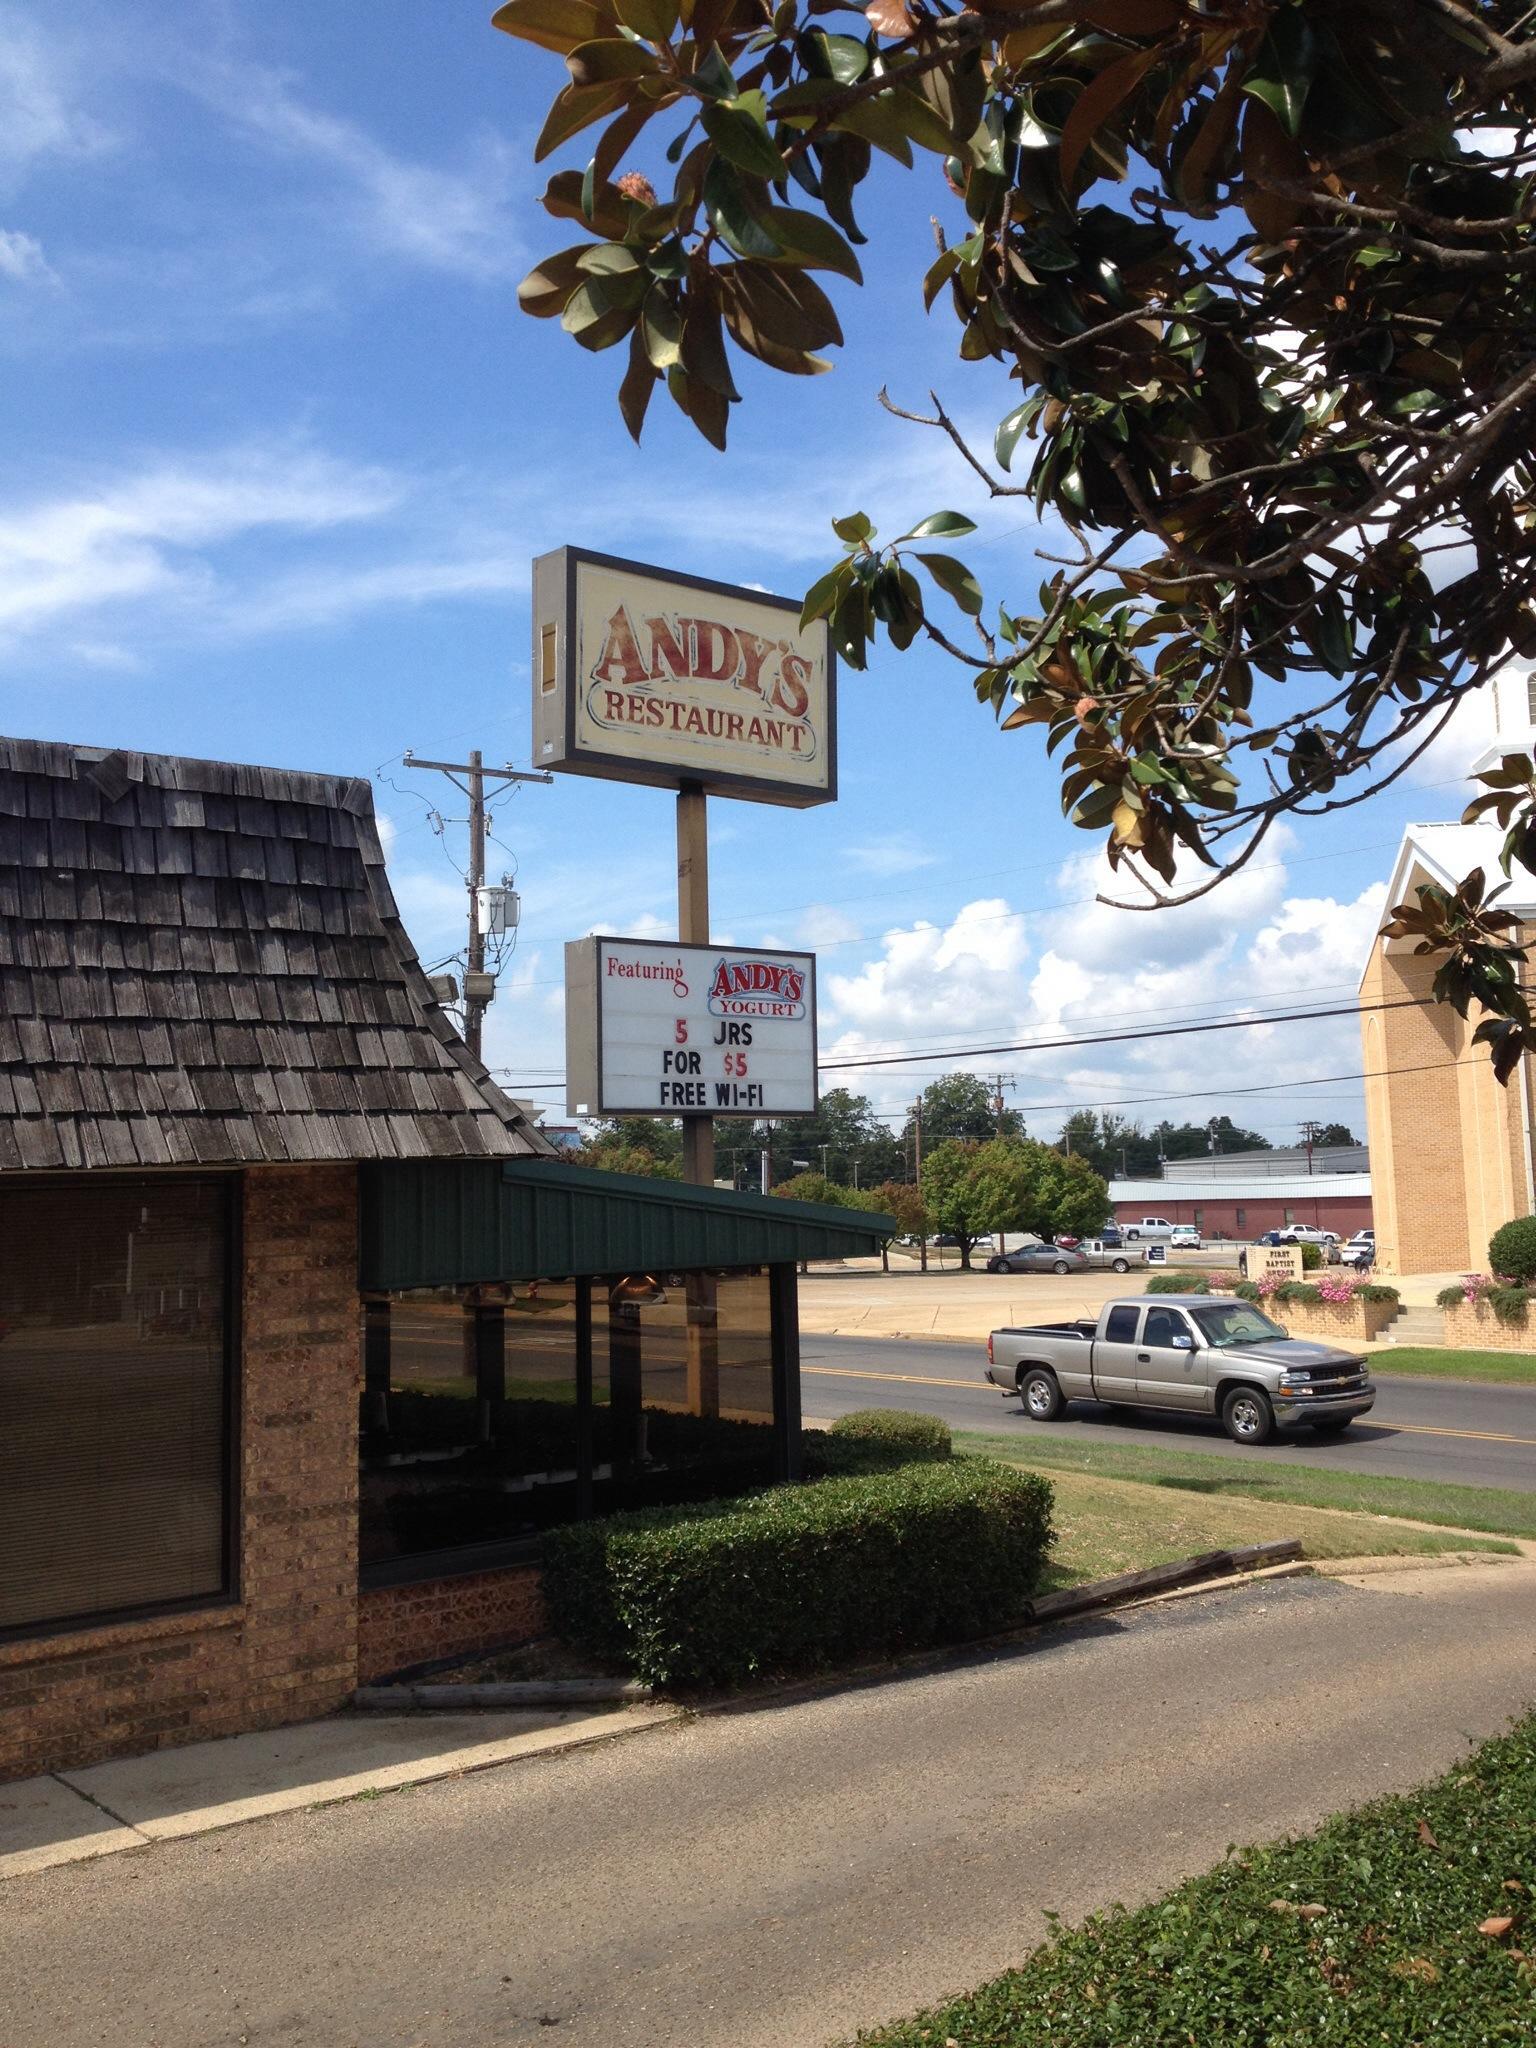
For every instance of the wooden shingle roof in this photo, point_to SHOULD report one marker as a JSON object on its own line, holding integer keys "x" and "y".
{"x": 203, "y": 964}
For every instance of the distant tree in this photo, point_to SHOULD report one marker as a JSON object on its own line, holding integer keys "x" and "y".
{"x": 1069, "y": 1196}
{"x": 1189, "y": 1141}
{"x": 613, "y": 1155}
{"x": 961, "y": 1106}
{"x": 959, "y": 1201}
{"x": 1336, "y": 1134}
{"x": 901, "y": 1200}
{"x": 815, "y": 1187}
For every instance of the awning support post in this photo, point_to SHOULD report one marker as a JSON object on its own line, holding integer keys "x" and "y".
{"x": 784, "y": 1304}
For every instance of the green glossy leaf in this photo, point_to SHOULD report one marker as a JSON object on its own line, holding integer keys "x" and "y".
{"x": 941, "y": 526}
{"x": 741, "y": 137}
{"x": 558, "y": 25}
{"x": 712, "y": 78}
{"x": 956, "y": 579}
{"x": 608, "y": 60}
{"x": 732, "y": 216}
{"x": 1009, "y": 430}
{"x": 655, "y": 19}
{"x": 807, "y": 239}
{"x": 822, "y": 597}
{"x": 853, "y": 527}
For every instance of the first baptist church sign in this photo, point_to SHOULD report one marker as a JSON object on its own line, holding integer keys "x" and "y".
{"x": 646, "y": 675}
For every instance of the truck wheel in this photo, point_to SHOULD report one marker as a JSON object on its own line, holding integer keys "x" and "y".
{"x": 1122, "y": 1265}
{"x": 1247, "y": 1416}
{"x": 1040, "y": 1394}
{"x": 1132, "y": 1236}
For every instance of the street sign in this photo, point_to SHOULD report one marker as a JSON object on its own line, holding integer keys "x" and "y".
{"x": 648, "y": 675}
{"x": 655, "y": 1029}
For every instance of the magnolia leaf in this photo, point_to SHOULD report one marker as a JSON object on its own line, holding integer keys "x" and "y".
{"x": 889, "y": 17}
{"x": 544, "y": 291}
{"x": 577, "y": 108}
{"x": 640, "y": 380}
{"x": 1097, "y": 101}
{"x": 853, "y": 527}
{"x": 941, "y": 526}
{"x": 742, "y": 138}
{"x": 1009, "y": 430}
{"x": 807, "y": 239}
{"x": 822, "y": 597}
{"x": 732, "y": 215}
{"x": 600, "y": 63}
{"x": 956, "y": 579}
{"x": 553, "y": 24}
{"x": 653, "y": 19}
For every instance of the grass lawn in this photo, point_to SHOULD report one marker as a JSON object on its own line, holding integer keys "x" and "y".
{"x": 1491, "y": 1509}
{"x": 1108, "y": 1526}
{"x": 1426, "y": 1361}
{"x": 1401, "y": 1923}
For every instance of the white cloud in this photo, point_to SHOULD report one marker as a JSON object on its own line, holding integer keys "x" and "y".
{"x": 40, "y": 112}
{"x": 1081, "y": 970}
{"x": 896, "y": 853}
{"x": 22, "y": 259}
{"x": 455, "y": 220}
{"x": 153, "y": 533}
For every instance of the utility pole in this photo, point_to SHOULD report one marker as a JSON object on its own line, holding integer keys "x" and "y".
{"x": 1311, "y": 1131}
{"x": 999, "y": 1083}
{"x": 917, "y": 1132}
{"x": 479, "y": 987}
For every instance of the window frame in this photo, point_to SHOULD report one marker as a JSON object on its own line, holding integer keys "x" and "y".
{"x": 231, "y": 1591}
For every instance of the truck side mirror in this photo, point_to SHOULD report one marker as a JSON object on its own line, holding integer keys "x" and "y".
{"x": 1183, "y": 1343}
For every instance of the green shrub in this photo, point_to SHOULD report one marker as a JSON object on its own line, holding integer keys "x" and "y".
{"x": 1311, "y": 1257}
{"x": 917, "y": 1436}
{"x": 1451, "y": 1297}
{"x": 1508, "y": 1303}
{"x": 1376, "y": 1290}
{"x": 1298, "y": 1293}
{"x": 1178, "y": 1283}
{"x": 1247, "y": 1290}
{"x": 1512, "y": 1249}
{"x": 803, "y": 1577}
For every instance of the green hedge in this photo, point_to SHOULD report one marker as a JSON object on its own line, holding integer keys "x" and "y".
{"x": 801, "y": 1578}
{"x": 898, "y": 1429}
{"x": 1178, "y": 1283}
{"x": 1300, "y": 1293}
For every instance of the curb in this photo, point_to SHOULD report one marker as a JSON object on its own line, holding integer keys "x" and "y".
{"x": 548, "y": 1692}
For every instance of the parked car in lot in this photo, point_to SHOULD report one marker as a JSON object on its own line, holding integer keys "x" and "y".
{"x": 1306, "y": 1233}
{"x": 1186, "y": 1238}
{"x": 1099, "y": 1251}
{"x": 1187, "y": 1352}
{"x": 1360, "y": 1251}
{"x": 1038, "y": 1258}
{"x": 1111, "y": 1234}
{"x": 1153, "y": 1229}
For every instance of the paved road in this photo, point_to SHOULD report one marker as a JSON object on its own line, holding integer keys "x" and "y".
{"x": 1419, "y": 1429}
{"x": 775, "y": 1878}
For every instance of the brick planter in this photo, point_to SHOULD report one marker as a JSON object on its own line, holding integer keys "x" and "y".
{"x": 1333, "y": 1322}
{"x": 1475, "y": 1327}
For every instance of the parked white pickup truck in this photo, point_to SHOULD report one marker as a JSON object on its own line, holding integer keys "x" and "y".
{"x": 1193, "y": 1352}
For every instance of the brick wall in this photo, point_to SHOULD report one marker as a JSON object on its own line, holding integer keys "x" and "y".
{"x": 399, "y": 1627}
{"x": 1475, "y": 1327}
{"x": 1333, "y": 1322}
{"x": 287, "y": 1647}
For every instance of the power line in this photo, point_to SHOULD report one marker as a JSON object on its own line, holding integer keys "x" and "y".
{"x": 1121, "y": 1037}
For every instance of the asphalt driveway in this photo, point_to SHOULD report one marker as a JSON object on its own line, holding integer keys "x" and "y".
{"x": 774, "y": 1878}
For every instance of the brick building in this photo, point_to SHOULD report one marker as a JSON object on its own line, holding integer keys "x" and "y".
{"x": 250, "y": 1178}
{"x": 1226, "y": 1206}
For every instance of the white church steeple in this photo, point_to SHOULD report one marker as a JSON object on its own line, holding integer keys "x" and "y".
{"x": 1514, "y": 713}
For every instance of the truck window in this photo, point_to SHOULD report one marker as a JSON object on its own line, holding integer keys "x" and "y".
{"x": 1163, "y": 1325}
{"x": 1121, "y": 1327}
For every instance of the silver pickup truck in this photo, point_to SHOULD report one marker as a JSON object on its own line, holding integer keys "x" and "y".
{"x": 1193, "y": 1352}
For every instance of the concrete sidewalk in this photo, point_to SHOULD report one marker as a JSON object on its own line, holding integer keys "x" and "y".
{"x": 76, "y": 1815}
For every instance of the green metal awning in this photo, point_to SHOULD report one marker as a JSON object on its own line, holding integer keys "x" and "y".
{"x": 446, "y": 1223}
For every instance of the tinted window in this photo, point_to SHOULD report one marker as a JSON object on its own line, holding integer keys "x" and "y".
{"x": 1121, "y": 1327}
{"x": 1163, "y": 1325}
{"x": 113, "y": 1397}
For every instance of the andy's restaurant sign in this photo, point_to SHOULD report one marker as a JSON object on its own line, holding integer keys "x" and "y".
{"x": 648, "y": 676}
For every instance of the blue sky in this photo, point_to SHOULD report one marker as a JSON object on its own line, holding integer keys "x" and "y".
{"x": 281, "y": 448}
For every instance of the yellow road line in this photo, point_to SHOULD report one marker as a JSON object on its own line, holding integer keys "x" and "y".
{"x": 1486, "y": 1436}
{"x": 908, "y": 1379}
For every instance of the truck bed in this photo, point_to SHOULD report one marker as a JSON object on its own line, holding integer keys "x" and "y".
{"x": 1084, "y": 1328}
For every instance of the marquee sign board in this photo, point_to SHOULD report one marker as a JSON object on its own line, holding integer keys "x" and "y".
{"x": 646, "y": 675}
{"x": 655, "y": 1029}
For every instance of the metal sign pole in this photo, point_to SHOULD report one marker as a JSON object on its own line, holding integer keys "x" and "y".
{"x": 698, "y": 1131}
